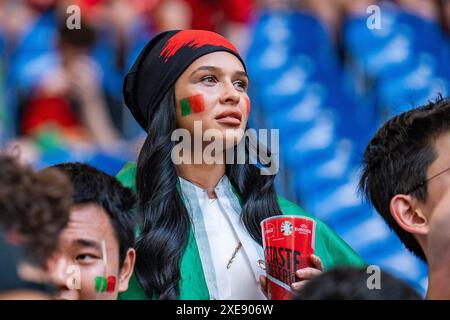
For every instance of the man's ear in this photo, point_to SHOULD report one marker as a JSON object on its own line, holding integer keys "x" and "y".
{"x": 408, "y": 215}
{"x": 127, "y": 270}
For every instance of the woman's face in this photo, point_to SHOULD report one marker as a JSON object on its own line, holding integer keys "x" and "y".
{"x": 213, "y": 91}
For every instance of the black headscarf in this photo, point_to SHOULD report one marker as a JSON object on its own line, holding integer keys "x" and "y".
{"x": 160, "y": 64}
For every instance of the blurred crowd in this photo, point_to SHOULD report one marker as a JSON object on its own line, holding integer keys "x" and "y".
{"x": 62, "y": 88}
{"x": 319, "y": 72}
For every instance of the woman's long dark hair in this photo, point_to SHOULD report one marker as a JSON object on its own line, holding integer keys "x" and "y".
{"x": 166, "y": 222}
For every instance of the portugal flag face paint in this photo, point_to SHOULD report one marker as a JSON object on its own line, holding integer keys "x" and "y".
{"x": 103, "y": 284}
{"x": 192, "y": 104}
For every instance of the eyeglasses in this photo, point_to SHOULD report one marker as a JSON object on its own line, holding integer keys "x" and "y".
{"x": 420, "y": 185}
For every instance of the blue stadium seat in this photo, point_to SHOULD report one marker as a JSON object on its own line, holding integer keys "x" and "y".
{"x": 40, "y": 40}
{"x": 326, "y": 171}
{"x": 427, "y": 34}
{"x": 299, "y": 148}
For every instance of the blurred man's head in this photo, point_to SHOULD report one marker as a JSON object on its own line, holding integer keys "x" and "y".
{"x": 75, "y": 43}
{"x": 407, "y": 171}
{"x": 346, "y": 283}
{"x": 95, "y": 256}
{"x": 34, "y": 209}
{"x": 41, "y": 5}
{"x": 34, "y": 206}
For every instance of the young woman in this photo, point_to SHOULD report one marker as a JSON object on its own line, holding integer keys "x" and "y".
{"x": 200, "y": 236}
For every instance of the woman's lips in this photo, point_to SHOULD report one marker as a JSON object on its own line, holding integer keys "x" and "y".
{"x": 230, "y": 117}
{"x": 232, "y": 121}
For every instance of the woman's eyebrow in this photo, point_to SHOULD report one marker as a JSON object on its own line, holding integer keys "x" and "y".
{"x": 207, "y": 68}
{"x": 218, "y": 70}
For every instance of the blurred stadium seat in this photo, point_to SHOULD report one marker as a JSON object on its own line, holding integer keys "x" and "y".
{"x": 325, "y": 124}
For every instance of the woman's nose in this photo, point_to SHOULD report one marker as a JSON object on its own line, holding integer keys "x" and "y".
{"x": 230, "y": 95}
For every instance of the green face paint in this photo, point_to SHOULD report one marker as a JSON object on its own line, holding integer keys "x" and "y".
{"x": 100, "y": 284}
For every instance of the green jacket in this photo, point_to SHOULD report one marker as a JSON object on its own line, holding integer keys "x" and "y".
{"x": 331, "y": 249}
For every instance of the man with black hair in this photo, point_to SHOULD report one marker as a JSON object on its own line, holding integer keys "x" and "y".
{"x": 95, "y": 256}
{"x": 406, "y": 173}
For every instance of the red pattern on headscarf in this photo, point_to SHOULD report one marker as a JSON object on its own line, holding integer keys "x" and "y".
{"x": 194, "y": 39}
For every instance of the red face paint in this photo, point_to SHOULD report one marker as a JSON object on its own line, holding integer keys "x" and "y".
{"x": 111, "y": 284}
{"x": 247, "y": 105}
{"x": 192, "y": 104}
{"x": 194, "y": 39}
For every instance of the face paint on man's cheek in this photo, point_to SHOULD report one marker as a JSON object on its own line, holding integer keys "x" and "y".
{"x": 247, "y": 106}
{"x": 111, "y": 285}
{"x": 103, "y": 284}
{"x": 100, "y": 284}
{"x": 192, "y": 104}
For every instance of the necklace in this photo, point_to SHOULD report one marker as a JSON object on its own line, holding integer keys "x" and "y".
{"x": 234, "y": 255}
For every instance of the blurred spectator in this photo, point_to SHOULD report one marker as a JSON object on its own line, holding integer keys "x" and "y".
{"x": 34, "y": 208}
{"x": 327, "y": 11}
{"x": 173, "y": 14}
{"x": 75, "y": 78}
{"x": 355, "y": 284}
{"x": 37, "y": 60}
{"x": 124, "y": 27}
{"x": 425, "y": 9}
{"x": 228, "y": 17}
{"x": 445, "y": 15}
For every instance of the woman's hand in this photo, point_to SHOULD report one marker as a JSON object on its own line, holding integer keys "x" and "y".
{"x": 304, "y": 275}
{"x": 308, "y": 273}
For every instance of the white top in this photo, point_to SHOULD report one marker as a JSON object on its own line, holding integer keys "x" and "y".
{"x": 216, "y": 222}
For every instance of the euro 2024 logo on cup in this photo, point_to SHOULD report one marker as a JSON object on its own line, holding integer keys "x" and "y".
{"x": 286, "y": 228}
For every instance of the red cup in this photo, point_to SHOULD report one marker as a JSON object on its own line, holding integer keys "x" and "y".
{"x": 288, "y": 243}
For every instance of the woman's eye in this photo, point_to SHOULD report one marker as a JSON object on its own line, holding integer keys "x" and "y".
{"x": 209, "y": 79}
{"x": 241, "y": 85}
